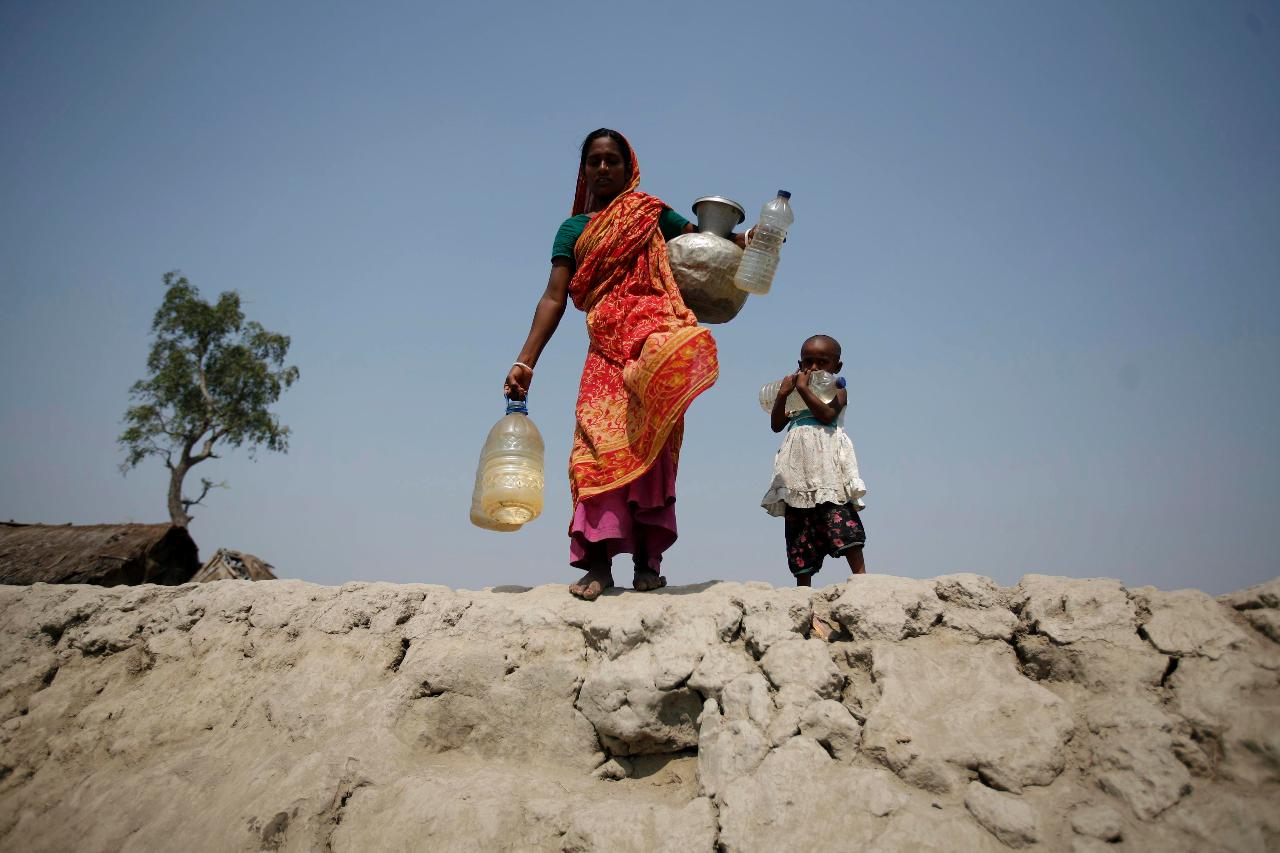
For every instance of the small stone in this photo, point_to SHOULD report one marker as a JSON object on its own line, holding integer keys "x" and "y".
{"x": 805, "y": 664}
{"x": 727, "y": 749}
{"x": 1188, "y": 622}
{"x": 613, "y": 770}
{"x": 1101, "y": 822}
{"x": 1069, "y": 610}
{"x": 882, "y": 607}
{"x": 719, "y": 666}
{"x": 1005, "y": 816}
{"x": 747, "y": 698}
{"x": 1264, "y": 595}
{"x": 1266, "y": 621}
{"x": 956, "y": 707}
{"x": 782, "y": 615}
{"x": 830, "y": 724}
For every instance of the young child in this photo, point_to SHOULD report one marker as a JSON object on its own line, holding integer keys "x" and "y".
{"x": 816, "y": 486}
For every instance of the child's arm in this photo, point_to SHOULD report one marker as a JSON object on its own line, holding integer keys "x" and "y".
{"x": 825, "y": 412}
{"x": 778, "y": 417}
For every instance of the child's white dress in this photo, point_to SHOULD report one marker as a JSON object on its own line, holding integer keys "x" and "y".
{"x": 816, "y": 464}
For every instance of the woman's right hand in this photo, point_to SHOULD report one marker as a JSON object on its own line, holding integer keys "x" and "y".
{"x": 516, "y": 385}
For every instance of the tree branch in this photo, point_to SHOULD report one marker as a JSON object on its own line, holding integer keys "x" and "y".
{"x": 164, "y": 426}
{"x": 206, "y": 452}
{"x": 145, "y": 447}
{"x": 185, "y": 459}
{"x": 188, "y": 503}
{"x": 204, "y": 382}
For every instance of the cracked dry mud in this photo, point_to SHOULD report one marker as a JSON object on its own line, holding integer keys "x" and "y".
{"x": 945, "y": 714}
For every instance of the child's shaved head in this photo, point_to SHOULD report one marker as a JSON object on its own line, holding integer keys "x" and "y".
{"x": 830, "y": 341}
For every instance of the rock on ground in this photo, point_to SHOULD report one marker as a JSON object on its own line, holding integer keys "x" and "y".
{"x": 1006, "y": 816}
{"x": 945, "y": 714}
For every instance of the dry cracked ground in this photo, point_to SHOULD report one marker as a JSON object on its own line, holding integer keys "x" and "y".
{"x": 947, "y": 714}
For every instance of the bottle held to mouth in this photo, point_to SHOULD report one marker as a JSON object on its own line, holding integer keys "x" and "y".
{"x": 822, "y": 384}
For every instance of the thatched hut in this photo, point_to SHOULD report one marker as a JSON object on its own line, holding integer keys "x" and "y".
{"x": 102, "y": 554}
{"x": 226, "y": 564}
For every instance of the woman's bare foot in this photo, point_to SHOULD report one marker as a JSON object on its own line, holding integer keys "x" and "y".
{"x": 645, "y": 580}
{"x": 592, "y": 584}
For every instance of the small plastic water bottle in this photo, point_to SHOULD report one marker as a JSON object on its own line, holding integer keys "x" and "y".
{"x": 822, "y": 384}
{"x": 510, "y": 470}
{"x": 760, "y": 260}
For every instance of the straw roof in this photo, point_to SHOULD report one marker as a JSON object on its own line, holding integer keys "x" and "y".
{"x": 102, "y": 554}
{"x": 226, "y": 564}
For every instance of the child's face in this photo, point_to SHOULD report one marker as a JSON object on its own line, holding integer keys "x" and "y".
{"x": 819, "y": 354}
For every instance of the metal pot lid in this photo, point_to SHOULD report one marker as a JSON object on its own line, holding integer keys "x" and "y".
{"x": 742, "y": 213}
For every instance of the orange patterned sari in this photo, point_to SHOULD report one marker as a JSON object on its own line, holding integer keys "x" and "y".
{"x": 647, "y": 358}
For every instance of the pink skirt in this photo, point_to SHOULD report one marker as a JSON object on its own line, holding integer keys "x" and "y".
{"x": 638, "y": 518}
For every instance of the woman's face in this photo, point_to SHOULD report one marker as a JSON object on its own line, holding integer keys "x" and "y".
{"x": 606, "y": 171}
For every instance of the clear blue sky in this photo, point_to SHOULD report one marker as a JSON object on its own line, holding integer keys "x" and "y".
{"x": 1047, "y": 234}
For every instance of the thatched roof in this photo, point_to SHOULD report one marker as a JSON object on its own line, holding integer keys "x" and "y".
{"x": 226, "y": 564}
{"x": 103, "y": 554}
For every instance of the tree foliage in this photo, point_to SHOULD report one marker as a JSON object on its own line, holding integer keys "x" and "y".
{"x": 212, "y": 378}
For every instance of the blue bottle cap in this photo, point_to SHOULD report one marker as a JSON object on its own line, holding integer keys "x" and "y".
{"x": 517, "y": 407}
{"x": 784, "y": 194}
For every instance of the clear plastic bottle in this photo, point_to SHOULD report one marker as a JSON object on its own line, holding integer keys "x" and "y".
{"x": 760, "y": 260}
{"x": 822, "y": 384}
{"x": 510, "y": 470}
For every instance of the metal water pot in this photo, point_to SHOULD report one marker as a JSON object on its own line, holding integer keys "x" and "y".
{"x": 704, "y": 263}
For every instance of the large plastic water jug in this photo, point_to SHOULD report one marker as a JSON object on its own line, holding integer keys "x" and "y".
{"x": 760, "y": 260}
{"x": 478, "y": 518}
{"x": 822, "y": 384}
{"x": 510, "y": 470}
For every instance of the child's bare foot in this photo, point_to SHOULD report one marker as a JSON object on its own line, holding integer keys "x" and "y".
{"x": 804, "y": 580}
{"x": 592, "y": 584}
{"x": 645, "y": 580}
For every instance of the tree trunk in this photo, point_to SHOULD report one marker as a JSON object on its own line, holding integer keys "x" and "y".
{"x": 177, "y": 515}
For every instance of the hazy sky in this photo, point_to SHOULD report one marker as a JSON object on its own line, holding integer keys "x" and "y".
{"x": 1047, "y": 234}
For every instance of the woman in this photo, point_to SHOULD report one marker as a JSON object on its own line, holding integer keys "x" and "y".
{"x": 646, "y": 361}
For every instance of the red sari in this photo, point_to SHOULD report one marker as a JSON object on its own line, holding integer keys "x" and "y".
{"x": 646, "y": 361}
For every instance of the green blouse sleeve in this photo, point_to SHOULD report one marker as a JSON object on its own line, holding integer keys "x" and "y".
{"x": 670, "y": 223}
{"x": 570, "y": 230}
